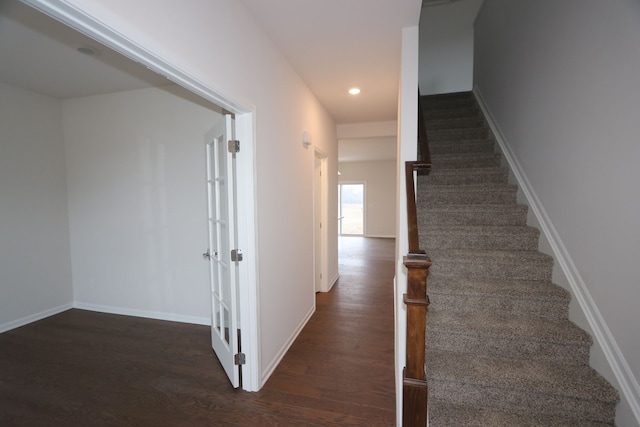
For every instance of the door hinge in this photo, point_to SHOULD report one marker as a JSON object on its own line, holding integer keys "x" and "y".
{"x": 236, "y": 255}
{"x": 234, "y": 146}
{"x": 239, "y": 359}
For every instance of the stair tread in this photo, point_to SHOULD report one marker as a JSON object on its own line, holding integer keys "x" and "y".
{"x": 448, "y": 104}
{"x": 512, "y": 230}
{"x": 534, "y": 289}
{"x": 491, "y": 264}
{"x": 465, "y": 208}
{"x": 435, "y": 101}
{"x": 465, "y": 110}
{"x": 472, "y": 214}
{"x": 463, "y": 156}
{"x": 464, "y": 147}
{"x": 446, "y": 414}
{"x": 461, "y": 171}
{"x": 493, "y": 193}
{"x": 437, "y": 123}
{"x": 541, "y": 377}
{"x": 482, "y": 237}
{"x": 458, "y": 188}
{"x": 469, "y": 175}
{"x": 445, "y": 142}
{"x": 448, "y": 95}
{"x": 484, "y": 255}
{"x": 528, "y": 328}
{"x": 472, "y": 130}
{"x": 478, "y": 118}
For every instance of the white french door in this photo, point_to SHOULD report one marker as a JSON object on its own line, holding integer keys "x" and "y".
{"x": 222, "y": 254}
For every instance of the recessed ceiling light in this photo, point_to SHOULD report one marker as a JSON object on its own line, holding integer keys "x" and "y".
{"x": 354, "y": 91}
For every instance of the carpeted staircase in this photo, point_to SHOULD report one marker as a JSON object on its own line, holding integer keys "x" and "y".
{"x": 500, "y": 349}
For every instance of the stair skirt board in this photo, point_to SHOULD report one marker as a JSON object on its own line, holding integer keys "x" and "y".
{"x": 501, "y": 350}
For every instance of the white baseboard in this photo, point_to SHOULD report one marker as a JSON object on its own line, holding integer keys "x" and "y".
{"x": 157, "y": 315}
{"x": 33, "y": 318}
{"x": 333, "y": 281}
{"x": 627, "y": 383}
{"x": 276, "y": 361}
{"x": 380, "y": 236}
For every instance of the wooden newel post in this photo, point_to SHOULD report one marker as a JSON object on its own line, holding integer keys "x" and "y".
{"x": 414, "y": 383}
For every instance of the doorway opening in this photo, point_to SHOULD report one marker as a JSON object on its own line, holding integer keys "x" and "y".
{"x": 320, "y": 221}
{"x": 157, "y": 180}
{"x": 351, "y": 209}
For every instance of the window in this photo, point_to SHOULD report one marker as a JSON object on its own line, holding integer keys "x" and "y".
{"x": 351, "y": 209}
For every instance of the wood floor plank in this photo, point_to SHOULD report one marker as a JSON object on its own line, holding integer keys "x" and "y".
{"x": 82, "y": 368}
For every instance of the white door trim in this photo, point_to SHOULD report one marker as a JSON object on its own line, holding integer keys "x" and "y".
{"x": 324, "y": 237}
{"x": 80, "y": 21}
{"x": 247, "y": 240}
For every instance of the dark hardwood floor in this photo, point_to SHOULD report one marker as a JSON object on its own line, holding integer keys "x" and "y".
{"x": 81, "y": 368}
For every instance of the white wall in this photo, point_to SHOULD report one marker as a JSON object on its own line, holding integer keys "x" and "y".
{"x": 446, "y": 47}
{"x": 380, "y": 194}
{"x": 35, "y": 270}
{"x": 137, "y": 203}
{"x": 367, "y": 153}
{"x": 561, "y": 79}
{"x": 367, "y": 142}
{"x": 219, "y": 43}
{"x": 368, "y": 130}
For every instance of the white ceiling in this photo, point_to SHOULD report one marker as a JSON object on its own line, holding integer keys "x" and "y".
{"x": 337, "y": 44}
{"x": 333, "y": 45}
{"x": 39, "y": 53}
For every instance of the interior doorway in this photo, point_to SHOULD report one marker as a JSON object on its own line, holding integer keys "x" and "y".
{"x": 320, "y": 221}
{"x": 111, "y": 45}
{"x": 351, "y": 202}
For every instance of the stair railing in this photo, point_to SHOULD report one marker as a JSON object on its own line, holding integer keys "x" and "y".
{"x": 414, "y": 381}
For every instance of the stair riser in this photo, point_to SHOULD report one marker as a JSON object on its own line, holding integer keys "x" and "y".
{"x": 526, "y": 241}
{"x": 492, "y": 346}
{"x": 447, "y": 96}
{"x": 486, "y": 146}
{"x": 442, "y": 414}
{"x": 547, "y": 309}
{"x": 447, "y": 104}
{"x": 432, "y": 218}
{"x": 458, "y": 134}
{"x": 464, "y": 177}
{"x": 529, "y": 400}
{"x": 466, "y": 161}
{"x": 437, "y": 198}
{"x": 449, "y": 113}
{"x": 454, "y": 123}
{"x": 470, "y": 269}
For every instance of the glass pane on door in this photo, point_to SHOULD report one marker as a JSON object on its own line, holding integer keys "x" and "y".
{"x": 351, "y": 209}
